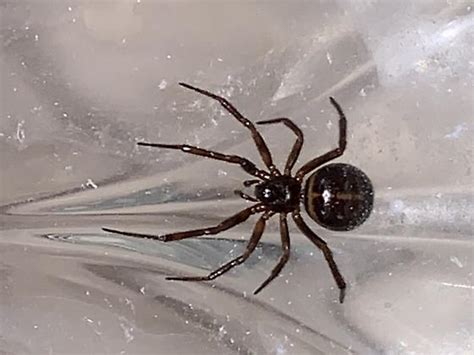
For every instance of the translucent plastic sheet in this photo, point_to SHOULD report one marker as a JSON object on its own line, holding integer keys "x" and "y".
{"x": 83, "y": 81}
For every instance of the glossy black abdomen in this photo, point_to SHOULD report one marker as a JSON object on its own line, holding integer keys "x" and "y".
{"x": 339, "y": 197}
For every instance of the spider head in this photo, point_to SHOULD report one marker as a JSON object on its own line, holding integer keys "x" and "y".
{"x": 280, "y": 194}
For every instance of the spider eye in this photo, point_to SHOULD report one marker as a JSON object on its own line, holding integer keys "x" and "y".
{"x": 339, "y": 197}
{"x": 267, "y": 193}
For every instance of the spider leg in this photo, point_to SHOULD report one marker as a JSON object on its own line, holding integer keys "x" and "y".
{"x": 258, "y": 139}
{"x": 316, "y": 162}
{"x": 295, "y": 151}
{"x": 245, "y": 196}
{"x": 246, "y": 164}
{"x": 285, "y": 241}
{"x": 252, "y": 244}
{"x": 322, "y": 245}
{"x": 224, "y": 225}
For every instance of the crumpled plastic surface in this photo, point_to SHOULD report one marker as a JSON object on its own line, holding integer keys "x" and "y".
{"x": 83, "y": 81}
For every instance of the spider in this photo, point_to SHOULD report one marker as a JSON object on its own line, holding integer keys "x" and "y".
{"x": 336, "y": 196}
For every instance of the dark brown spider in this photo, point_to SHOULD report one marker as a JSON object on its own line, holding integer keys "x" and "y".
{"x": 337, "y": 196}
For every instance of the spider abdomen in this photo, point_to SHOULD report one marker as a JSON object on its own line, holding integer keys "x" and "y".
{"x": 339, "y": 197}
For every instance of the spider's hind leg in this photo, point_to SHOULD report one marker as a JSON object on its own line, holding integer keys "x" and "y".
{"x": 321, "y": 244}
{"x": 252, "y": 244}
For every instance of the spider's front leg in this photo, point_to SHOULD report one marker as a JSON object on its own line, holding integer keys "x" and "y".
{"x": 257, "y": 137}
{"x": 245, "y": 164}
{"x": 252, "y": 244}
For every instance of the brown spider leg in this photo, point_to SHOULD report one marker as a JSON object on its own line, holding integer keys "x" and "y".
{"x": 224, "y": 225}
{"x": 245, "y": 196}
{"x": 252, "y": 244}
{"x": 258, "y": 139}
{"x": 316, "y": 162}
{"x": 322, "y": 245}
{"x": 295, "y": 151}
{"x": 246, "y": 164}
{"x": 285, "y": 242}
{"x": 248, "y": 183}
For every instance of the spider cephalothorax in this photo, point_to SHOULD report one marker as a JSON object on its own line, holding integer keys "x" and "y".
{"x": 337, "y": 196}
{"x": 280, "y": 193}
